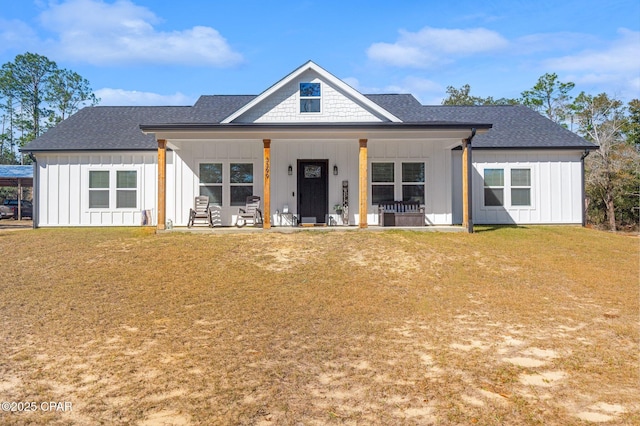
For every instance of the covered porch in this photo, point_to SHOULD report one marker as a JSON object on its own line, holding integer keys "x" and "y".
{"x": 280, "y": 156}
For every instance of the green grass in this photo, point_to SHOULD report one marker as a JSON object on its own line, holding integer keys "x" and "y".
{"x": 505, "y": 326}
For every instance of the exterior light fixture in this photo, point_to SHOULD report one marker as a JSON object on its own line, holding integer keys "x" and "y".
{"x": 290, "y": 170}
{"x": 335, "y": 169}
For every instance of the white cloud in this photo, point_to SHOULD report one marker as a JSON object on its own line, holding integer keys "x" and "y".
{"x": 102, "y": 34}
{"x": 435, "y": 46}
{"x": 621, "y": 55}
{"x": 615, "y": 67}
{"x": 120, "y": 97}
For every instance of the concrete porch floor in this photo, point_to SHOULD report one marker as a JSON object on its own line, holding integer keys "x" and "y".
{"x": 288, "y": 229}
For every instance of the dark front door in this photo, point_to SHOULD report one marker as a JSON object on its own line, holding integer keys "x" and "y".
{"x": 313, "y": 190}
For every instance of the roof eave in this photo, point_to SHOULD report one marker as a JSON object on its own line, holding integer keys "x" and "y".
{"x": 298, "y": 131}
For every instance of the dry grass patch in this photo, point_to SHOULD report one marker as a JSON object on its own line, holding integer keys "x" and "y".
{"x": 506, "y": 326}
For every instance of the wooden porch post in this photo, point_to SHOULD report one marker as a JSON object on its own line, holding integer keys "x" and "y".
{"x": 362, "y": 186}
{"x": 267, "y": 184}
{"x": 162, "y": 183}
{"x": 467, "y": 183}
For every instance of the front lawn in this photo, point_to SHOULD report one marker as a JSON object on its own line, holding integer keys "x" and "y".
{"x": 534, "y": 325}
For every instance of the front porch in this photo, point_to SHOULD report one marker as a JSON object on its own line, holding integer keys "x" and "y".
{"x": 276, "y": 167}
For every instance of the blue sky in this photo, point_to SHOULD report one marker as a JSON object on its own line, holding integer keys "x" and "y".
{"x": 150, "y": 52}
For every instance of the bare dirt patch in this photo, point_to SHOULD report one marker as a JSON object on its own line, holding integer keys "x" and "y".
{"x": 507, "y": 326}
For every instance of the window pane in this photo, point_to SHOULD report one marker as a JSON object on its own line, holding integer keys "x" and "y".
{"x": 493, "y": 177}
{"x": 239, "y": 194}
{"x": 99, "y": 199}
{"x": 214, "y": 193}
{"x": 381, "y": 194}
{"x": 126, "y": 199}
{"x": 210, "y": 173}
{"x": 310, "y": 89}
{"x": 520, "y": 177}
{"x": 413, "y": 193}
{"x": 312, "y": 172}
{"x": 413, "y": 172}
{"x": 382, "y": 172}
{"x": 493, "y": 197}
{"x": 309, "y": 105}
{"x": 126, "y": 179}
{"x": 98, "y": 179}
{"x": 241, "y": 173}
{"x": 521, "y": 197}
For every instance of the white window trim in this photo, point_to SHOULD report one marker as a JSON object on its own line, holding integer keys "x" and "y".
{"x": 89, "y": 190}
{"x": 402, "y": 183}
{"x": 232, "y": 184}
{"x": 321, "y": 97}
{"x": 226, "y": 178}
{"x": 113, "y": 189}
{"x": 397, "y": 178}
{"x": 394, "y": 183}
{"x": 529, "y": 187}
{"x": 507, "y": 186}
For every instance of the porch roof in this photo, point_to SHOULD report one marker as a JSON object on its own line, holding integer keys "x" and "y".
{"x": 384, "y": 130}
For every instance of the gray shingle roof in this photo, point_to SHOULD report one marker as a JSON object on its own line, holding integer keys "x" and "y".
{"x": 514, "y": 126}
{"x": 104, "y": 128}
{"x": 118, "y": 128}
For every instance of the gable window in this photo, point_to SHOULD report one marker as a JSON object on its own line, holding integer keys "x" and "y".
{"x": 98, "y": 189}
{"x": 382, "y": 182}
{"x": 309, "y": 97}
{"x": 520, "y": 187}
{"x": 211, "y": 182}
{"x": 413, "y": 182}
{"x": 493, "y": 187}
{"x": 240, "y": 183}
{"x": 126, "y": 189}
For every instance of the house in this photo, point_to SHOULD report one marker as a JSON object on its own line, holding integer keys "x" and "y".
{"x": 305, "y": 144}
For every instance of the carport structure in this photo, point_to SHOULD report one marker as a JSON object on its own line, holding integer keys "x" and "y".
{"x": 16, "y": 176}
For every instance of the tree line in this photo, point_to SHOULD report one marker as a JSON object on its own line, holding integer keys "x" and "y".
{"x": 35, "y": 95}
{"x": 612, "y": 172}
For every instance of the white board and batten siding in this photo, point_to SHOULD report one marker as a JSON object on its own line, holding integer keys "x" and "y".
{"x": 438, "y": 176}
{"x": 183, "y": 170}
{"x": 556, "y": 187}
{"x": 63, "y": 188}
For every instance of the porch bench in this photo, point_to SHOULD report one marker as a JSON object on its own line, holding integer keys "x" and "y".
{"x": 401, "y": 213}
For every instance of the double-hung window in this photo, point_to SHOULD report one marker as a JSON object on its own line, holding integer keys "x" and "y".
{"x": 507, "y": 187}
{"x": 310, "y": 97}
{"x": 99, "y": 189}
{"x": 126, "y": 189}
{"x": 211, "y": 182}
{"x": 382, "y": 182}
{"x": 237, "y": 185}
{"x": 410, "y": 187}
{"x": 520, "y": 187}
{"x": 413, "y": 182}
{"x": 240, "y": 183}
{"x": 493, "y": 187}
{"x": 103, "y": 190}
